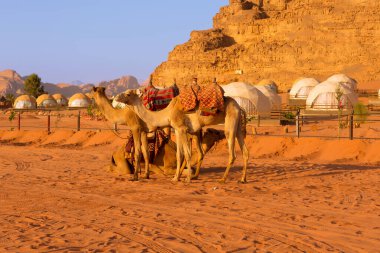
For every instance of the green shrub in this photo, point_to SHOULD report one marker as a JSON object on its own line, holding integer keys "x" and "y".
{"x": 360, "y": 113}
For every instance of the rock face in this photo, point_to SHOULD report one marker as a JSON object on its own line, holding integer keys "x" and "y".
{"x": 12, "y": 82}
{"x": 120, "y": 85}
{"x": 281, "y": 40}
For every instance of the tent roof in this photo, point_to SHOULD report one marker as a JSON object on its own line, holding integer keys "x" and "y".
{"x": 344, "y": 80}
{"x": 245, "y": 90}
{"x": 79, "y": 96}
{"x": 330, "y": 87}
{"x": 59, "y": 96}
{"x": 274, "y": 98}
{"x": 302, "y": 82}
{"x": 25, "y": 98}
{"x": 44, "y": 97}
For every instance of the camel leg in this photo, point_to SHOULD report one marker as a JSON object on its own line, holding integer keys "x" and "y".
{"x": 184, "y": 162}
{"x": 179, "y": 156}
{"x": 137, "y": 146}
{"x": 187, "y": 152}
{"x": 245, "y": 152}
{"x": 145, "y": 152}
{"x": 230, "y": 132}
{"x": 198, "y": 147}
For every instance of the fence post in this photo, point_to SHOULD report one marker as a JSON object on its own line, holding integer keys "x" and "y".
{"x": 19, "y": 121}
{"x": 298, "y": 125}
{"x": 258, "y": 120}
{"x": 78, "y": 121}
{"x": 115, "y": 127}
{"x": 352, "y": 126}
{"x": 48, "y": 123}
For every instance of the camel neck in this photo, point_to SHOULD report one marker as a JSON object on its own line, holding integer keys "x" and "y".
{"x": 153, "y": 119}
{"x": 109, "y": 112}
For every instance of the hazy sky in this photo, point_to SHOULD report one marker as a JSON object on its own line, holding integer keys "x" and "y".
{"x": 95, "y": 40}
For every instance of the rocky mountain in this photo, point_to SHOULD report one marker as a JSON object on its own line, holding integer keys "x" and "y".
{"x": 119, "y": 85}
{"x": 281, "y": 40}
{"x": 12, "y": 82}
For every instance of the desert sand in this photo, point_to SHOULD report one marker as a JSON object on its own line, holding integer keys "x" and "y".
{"x": 57, "y": 196}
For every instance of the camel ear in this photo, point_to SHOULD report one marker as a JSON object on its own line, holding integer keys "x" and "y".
{"x": 94, "y": 89}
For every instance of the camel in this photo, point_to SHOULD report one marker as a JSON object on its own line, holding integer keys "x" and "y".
{"x": 173, "y": 115}
{"x": 165, "y": 161}
{"x": 128, "y": 117}
{"x": 139, "y": 131}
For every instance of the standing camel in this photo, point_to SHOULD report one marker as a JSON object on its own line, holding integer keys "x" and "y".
{"x": 173, "y": 115}
{"x": 128, "y": 117}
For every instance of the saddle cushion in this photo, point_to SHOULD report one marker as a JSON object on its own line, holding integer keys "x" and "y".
{"x": 209, "y": 98}
{"x": 157, "y": 99}
{"x": 188, "y": 97}
{"x": 154, "y": 145}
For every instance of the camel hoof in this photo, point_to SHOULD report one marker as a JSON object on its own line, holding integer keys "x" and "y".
{"x": 175, "y": 179}
{"x": 133, "y": 179}
{"x": 195, "y": 178}
{"x": 222, "y": 181}
{"x": 187, "y": 180}
{"x": 145, "y": 176}
{"x": 242, "y": 181}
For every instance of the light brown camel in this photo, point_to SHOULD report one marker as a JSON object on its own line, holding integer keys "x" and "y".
{"x": 192, "y": 123}
{"x": 128, "y": 117}
{"x": 165, "y": 162}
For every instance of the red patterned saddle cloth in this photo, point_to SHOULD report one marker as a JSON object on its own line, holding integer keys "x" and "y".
{"x": 154, "y": 145}
{"x": 157, "y": 99}
{"x": 210, "y": 99}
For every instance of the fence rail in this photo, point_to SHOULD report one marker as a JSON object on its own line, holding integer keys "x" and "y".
{"x": 347, "y": 126}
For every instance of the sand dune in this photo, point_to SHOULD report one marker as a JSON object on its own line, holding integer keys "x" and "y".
{"x": 56, "y": 196}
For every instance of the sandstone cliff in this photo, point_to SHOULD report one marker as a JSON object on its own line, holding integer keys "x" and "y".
{"x": 281, "y": 40}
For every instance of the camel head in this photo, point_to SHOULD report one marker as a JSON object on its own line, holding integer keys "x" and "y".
{"x": 130, "y": 97}
{"x": 98, "y": 91}
{"x": 211, "y": 136}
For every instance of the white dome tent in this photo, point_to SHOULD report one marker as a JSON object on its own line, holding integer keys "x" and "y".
{"x": 46, "y": 101}
{"x": 79, "y": 100}
{"x": 60, "y": 99}
{"x": 344, "y": 80}
{"x": 324, "y": 97}
{"x": 302, "y": 87}
{"x": 25, "y": 102}
{"x": 252, "y": 100}
{"x": 273, "y": 97}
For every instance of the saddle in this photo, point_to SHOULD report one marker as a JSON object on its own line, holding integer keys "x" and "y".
{"x": 210, "y": 99}
{"x": 154, "y": 145}
{"x": 156, "y": 99}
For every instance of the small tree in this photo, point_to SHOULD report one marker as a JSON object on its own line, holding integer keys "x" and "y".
{"x": 33, "y": 85}
{"x": 10, "y": 98}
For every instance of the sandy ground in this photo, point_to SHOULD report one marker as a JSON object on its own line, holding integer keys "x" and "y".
{"x": 307, "y": 195}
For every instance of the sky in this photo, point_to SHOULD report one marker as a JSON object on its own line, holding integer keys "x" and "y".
{"x": 96, "y": 40}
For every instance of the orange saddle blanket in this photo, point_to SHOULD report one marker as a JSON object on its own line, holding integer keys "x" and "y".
{"x": 210, "y": 99}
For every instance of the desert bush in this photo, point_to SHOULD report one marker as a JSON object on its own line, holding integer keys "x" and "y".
{"x": 360, "y": 114}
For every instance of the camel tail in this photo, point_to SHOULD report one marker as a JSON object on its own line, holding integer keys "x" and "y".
{"x": 243, "y": 122}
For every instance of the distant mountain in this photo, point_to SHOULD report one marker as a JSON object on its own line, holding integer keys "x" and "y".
{"x": 119, "y": 85}
{"x": 12, "y": 82}
{"x": 76, "y": 82}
